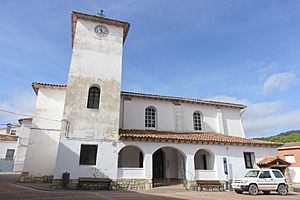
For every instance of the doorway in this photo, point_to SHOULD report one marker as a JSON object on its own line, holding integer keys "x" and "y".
{"x": 168, "y": 167}
{"x": 158, "y": 160}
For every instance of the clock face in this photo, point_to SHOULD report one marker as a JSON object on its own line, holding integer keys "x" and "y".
{"x": 101, "y": 30}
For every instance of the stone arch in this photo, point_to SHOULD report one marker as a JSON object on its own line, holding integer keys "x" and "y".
{"x": 204, "y": 160}
{"x": 130, "y": 156}
{"x": 172, "y": 147}
{"x": 168, "y": 165}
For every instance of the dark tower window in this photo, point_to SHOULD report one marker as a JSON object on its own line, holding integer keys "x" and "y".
{"x": 94, "y": 97}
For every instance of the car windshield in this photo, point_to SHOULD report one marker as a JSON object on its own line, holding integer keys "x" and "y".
{"x": 253, "y": 173}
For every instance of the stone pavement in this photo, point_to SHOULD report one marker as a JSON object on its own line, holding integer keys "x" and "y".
{"x": 10, "y": 191}
{"x": 9, "y": 177}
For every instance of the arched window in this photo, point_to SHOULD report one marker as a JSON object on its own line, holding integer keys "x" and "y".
{"x": 197, "y": 121}
{"x": 150, "y": 117}
{"x": 94, "y": 97}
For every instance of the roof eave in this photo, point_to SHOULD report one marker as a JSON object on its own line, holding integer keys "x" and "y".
{"x": 182, "y": 99}
{"x": 36, "y": 86}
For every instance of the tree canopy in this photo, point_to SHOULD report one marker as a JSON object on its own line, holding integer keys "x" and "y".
{"x": 289, "y": 136}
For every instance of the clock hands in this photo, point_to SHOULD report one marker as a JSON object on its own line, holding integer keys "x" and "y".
{"x": 101, "y": 30}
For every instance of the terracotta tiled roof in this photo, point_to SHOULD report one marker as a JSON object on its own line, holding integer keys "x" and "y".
{"x": 6, "y": 137}
{"x": 204, "y": 137}
{"x": 269, "y": 159}
{"x": 95, "y": 18}
{"x": 290, "y": 145}
{"x": 23, "y": 119}
{"x": 37, "y": 85}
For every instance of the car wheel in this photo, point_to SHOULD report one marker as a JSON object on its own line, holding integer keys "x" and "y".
{"x": 266, "y": 192}
{"x": 238, "y": 191}
{"x": 253, "y": 189}
{"x": 282, "y": 189}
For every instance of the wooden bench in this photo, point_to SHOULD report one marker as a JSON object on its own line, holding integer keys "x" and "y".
{"x": 90, "y": 183}
{"x": 209, "y": 185}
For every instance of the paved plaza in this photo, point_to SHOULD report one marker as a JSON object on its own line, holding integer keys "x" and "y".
{"x": 10, "y": 191}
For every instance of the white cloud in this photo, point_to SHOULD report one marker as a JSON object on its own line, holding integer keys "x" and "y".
{"x": 19, "y": 102}
{"x": 265, "y": 118}
{"x": 278, "y": 82}
{"x": 268, "y": 125}
{"x": 255, "y": 110}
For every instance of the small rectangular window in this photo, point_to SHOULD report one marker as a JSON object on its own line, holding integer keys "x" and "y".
{"x": 13, "y": 132}
{"x": 197, "y": 121}
{"x": 265, "y": 174}
{"x": 249, "y": 158}
{"x": 290, "y": 158}
{"x": 88, "y": 154}
{"x": 150, "y": 117}
{"x": 10, "y": 154}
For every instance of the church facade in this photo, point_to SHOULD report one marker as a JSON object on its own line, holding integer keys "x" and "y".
{"x": 90, "y": 128}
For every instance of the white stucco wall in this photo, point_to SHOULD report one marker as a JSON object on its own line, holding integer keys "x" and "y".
{"x": 45, "y": 132}
{"x": 295, "y": 174}
{"x": 106, "y": 163}
{"x": 133, "y": 116}
{"x": 107, "y": 157}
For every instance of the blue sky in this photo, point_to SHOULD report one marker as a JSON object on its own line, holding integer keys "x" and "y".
{"x": 240, "y": 51}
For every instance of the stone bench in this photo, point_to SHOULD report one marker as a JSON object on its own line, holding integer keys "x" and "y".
{"x": 90, "y": 183}
{"x": 209, "y": 185}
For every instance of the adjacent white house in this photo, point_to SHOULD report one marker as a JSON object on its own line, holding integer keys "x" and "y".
{"x": 13, "y": 145}
{"x": 90, "y": 128}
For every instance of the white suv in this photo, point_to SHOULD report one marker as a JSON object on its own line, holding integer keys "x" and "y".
{"x": 265, "y": 180}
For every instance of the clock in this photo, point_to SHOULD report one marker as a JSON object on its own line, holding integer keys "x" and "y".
{"x": 101, "y": 30}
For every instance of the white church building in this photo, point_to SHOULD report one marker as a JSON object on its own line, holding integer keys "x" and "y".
{"x": 90, "y": 128}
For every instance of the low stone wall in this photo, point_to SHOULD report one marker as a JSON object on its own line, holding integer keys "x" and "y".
{"x": 192, "y": 185}
{"x": 25, "y": 178}
{"x": 119, "y": 184}
{"x": 131, "y": 184}
{"x": 72, "y": 185}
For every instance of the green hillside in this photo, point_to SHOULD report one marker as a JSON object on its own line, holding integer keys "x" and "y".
{"x": 289, "y": 136}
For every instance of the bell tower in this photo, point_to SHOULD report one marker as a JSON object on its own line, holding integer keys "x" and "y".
{"x": 90, "y": 125}
{"x": 93, "y": 91}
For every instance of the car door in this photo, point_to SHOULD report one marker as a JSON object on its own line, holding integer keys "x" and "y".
{"x": 266, "y": 181}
